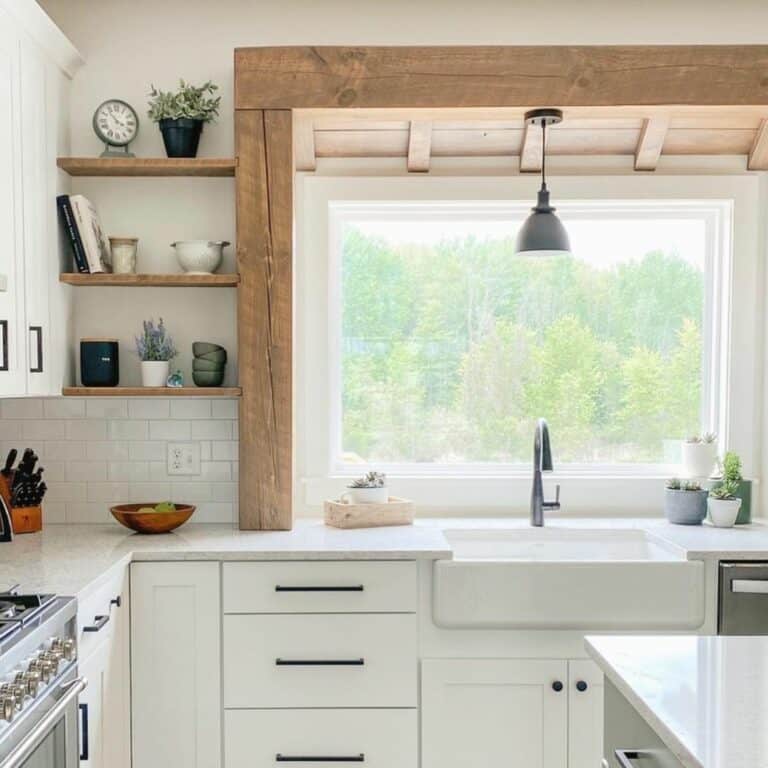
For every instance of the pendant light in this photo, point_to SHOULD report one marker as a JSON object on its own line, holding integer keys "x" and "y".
{"x": 542, "y": 233}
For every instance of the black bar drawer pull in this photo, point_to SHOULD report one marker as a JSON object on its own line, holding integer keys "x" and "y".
{"x": 319, "y": 758}
{"x": 98, "y": 623}
{"x": 4, "y": 342}
{"x": 319, "y": 662}
{"x": 83, "y": 731}
{"x": 353, "y": 588}
{"x": 38, "y": 331}
{"x": 624, "y": 757}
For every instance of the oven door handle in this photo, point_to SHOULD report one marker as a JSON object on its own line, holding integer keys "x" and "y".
{"x": 31, "y": 741}
{"x": 750, "y": 586}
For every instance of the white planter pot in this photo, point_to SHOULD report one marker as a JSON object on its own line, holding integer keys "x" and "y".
{"x": 154, "y": 373}
{"x": 723, "y": 512}
{"x": 699, "y": 459}
{"x": 366, "y": 495}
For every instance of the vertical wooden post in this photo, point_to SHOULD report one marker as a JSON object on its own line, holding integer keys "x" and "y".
{"x": 264, "y": 187}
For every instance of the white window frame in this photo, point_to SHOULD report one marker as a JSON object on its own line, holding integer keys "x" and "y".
{"x": 730, "y": 205}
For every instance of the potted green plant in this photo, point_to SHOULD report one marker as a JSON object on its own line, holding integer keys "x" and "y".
{"x": 723, "y": 504}
{"x": 155, "y": 349}
{"x": 700, "y": 455}
{"x": 181, "y": 115}
{"x": 369, "y": 489}
{"x": 685, "y": 503}
{"x": 731, "y": 473}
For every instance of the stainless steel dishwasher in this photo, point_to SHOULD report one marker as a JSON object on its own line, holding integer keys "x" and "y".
{"x": 743, "y": 599}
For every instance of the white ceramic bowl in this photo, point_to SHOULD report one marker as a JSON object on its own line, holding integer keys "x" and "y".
{"x": 199, "y": 257}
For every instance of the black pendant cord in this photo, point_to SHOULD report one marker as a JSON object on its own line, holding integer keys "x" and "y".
{"x": 543, "y": 155}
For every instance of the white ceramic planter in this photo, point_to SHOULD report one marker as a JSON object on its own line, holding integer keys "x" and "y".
{"x": 723, "y": 512}
{"x": 366, "y": 495}
{"x": 699, "y": 459}
{"x": 154, "y": 373}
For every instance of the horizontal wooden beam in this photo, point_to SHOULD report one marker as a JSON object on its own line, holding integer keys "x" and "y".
{"x": 499, "y": 76}
{"x": 651, "y": 142}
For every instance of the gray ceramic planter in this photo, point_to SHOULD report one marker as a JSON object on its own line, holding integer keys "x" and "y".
{"x": 685, "y": 507}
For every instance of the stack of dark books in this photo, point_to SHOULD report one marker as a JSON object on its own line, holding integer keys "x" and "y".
{"x": 90, "y": 246}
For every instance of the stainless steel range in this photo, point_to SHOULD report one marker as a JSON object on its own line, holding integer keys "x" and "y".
{"x": 38, "y": 681}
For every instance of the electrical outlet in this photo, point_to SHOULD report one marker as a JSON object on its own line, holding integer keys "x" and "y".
{"x": 183, "y": 458}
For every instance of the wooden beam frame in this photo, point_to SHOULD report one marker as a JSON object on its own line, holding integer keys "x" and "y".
{"x": 758, "y": 155}
{"x": 651, "y": 143}
{"x": 419, "y": 146}
{"x": 271, "y": 82}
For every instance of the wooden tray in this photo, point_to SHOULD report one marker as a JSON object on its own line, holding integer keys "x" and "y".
{"x": 341, "y": 514}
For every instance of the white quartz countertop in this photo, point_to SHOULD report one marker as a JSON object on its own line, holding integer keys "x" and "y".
{"x": 706, "y": 697}
{"x": 68, "y": 558}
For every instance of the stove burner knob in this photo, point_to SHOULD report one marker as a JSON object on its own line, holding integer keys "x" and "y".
{"x": 30, "y": 680}
{"x": 43, "y": 667}
{"x": 64, "y": 647}
{"x": 17, "y": 690}
{"x": 7, "y": 706}
{"x": 52, "y": 658}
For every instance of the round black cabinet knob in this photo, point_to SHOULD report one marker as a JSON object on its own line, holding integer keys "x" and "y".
{"x": 557, "y": 686}
{"x": 581, "y": 686}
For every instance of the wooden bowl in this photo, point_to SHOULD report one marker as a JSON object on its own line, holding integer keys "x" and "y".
{"x": 151, "y": 522}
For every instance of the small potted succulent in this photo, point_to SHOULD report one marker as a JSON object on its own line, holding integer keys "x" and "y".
{"x": 724, "y": 504}
{"x": 181, "y": 115}
{"x": 155, "y": 349}
{"x": 685, "y": 503}
{"x": 369, "y": 489}
{"x": 700, "y": 455}
{"x": 731, "y": 473}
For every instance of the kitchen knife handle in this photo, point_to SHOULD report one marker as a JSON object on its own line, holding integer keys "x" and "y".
{"x": 38, "y": 331}
{"x": 4, "y": 341}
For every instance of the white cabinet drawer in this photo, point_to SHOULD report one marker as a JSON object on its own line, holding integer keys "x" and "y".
{"x": 97, "y": 610}
{"x": 369, "y": 738}
{"x": 331, "y": 587}
{"x": 320, "y": 661}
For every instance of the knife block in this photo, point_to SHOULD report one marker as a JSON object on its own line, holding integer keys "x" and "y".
{"x": 23, "y": 519}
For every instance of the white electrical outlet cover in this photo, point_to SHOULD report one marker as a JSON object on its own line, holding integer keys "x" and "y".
{"x": 183, "y": 459}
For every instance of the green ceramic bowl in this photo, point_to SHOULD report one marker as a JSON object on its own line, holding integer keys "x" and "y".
{"x": 208, "y": 378}
{"x": 204, "y": 347}
{"x": 199, "y": 364}
{"x": 219, "y": 356}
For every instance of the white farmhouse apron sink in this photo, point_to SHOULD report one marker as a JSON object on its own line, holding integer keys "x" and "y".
{"x": 561, "y": 578}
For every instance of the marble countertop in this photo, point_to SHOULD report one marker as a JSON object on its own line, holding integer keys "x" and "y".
{"x": 68, "y": 558}
{"x": 706, "y": 697}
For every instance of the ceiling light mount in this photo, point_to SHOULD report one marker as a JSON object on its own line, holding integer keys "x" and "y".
{"x": 544, "y": 117}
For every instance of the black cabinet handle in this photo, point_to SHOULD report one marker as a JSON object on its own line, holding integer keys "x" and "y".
{"x": 83, "y": 731}
{"x": 354, "y": 588}
{"x": 624, "y": 757}
{"x": 581, "y": 685}
{"x": 4, "y": 341}
{"x": 319, "y": 662}
{"x": 116, "y": 601}
{"x": 557, "y": 686}
{"x": 98, "y": 623}
{"x": 38, "y": 331}
{"x": 319, "y": 758}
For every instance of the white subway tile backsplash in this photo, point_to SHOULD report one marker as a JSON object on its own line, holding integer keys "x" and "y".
{"x": 128, "y": 470}
{"x": 224, "y": 409}
{"x": 149, "y": 408}
{"x": 106, "y": 408}
{"x": 128, "y": 430}
{"x": 212, "y": 430}
{"x": 23, "y": 408}
{"x": 169, "y": 430}
{"x": 64, "y": 408}
{"x": 86, "y": 471}
{"x": 190, "y": 409}
{"x": 87, "y": 429}
{"x": 108, "y": 450}
{"x": 101, "y": 451}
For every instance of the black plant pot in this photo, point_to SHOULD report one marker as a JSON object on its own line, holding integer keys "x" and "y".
{"x": 181, "y": 136}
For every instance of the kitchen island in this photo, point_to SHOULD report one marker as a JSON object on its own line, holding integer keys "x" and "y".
{"x": 697, "y": 702}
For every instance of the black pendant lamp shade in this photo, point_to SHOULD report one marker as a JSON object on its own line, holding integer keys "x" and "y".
{"x": 542, "y": 233}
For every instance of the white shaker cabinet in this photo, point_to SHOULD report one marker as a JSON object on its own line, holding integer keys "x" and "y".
{"x": 176, "y": 664}
{"x": 488, "y": 713}
{"x": 585, "y": 714}
{"x": 36, "y": 64}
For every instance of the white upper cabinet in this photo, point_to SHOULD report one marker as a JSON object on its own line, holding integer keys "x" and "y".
{"x": 36, "y": 64}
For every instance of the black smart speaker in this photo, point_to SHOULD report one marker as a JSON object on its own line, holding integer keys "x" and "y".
{"x": 99, "y": 363}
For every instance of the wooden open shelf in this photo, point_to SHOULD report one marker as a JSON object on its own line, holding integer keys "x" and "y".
{"x": 152, "y": 391}
{"x": 148, "y": 166}
{"x": 149, "y": 280}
